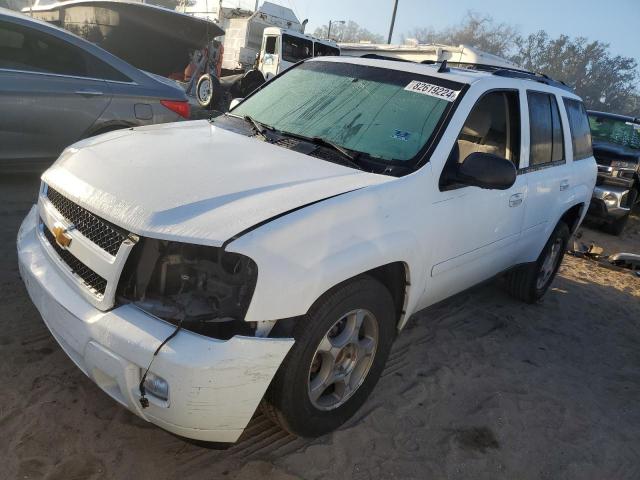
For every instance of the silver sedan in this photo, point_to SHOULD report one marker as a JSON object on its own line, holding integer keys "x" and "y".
{"x": 56, "y": 88}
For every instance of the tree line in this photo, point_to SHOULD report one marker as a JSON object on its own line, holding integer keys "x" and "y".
{"x": 605, "y": 81}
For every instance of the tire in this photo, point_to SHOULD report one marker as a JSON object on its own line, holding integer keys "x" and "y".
{"x": 617, "y": 226}
{"x": 288, "y": 400}
{"x": 530, "y": 282}
{"x": 204, "y": 90}
{"x": 251, "y": 80}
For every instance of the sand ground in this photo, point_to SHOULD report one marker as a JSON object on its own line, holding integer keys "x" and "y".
{"x": 479, "y": 387}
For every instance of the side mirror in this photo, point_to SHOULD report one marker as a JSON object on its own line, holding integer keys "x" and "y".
{"x": 486, "y": 170}
{"x": 234, "y": 103}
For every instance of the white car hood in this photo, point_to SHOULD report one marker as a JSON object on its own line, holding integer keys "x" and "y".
{"x": 193, "y": 181}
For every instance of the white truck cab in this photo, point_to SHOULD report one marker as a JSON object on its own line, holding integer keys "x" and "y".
{"x": 281, "y": 48}
{"x": 271, "y": 255}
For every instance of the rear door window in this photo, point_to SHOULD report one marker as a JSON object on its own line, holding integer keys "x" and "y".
{"x": 580, "y": 131}
{"x": 546, "y": 136}
{"x": 38, "y": 52}
{"x": 30, "y": 50}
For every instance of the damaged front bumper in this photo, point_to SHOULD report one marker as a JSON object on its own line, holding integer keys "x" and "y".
{"x": 214, "y": 385}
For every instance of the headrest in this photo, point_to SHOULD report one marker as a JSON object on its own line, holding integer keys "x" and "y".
{"x": 478, "y": 123}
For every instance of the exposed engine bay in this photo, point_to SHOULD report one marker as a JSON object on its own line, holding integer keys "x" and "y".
{"x": 205, "y": 289}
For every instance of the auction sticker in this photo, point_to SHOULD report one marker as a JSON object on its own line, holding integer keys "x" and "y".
{"x": 432, "y": 90}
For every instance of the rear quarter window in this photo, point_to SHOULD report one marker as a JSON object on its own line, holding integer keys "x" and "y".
{"x": 580, "y": 131}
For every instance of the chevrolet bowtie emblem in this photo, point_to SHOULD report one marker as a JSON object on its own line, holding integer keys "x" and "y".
{"x": 60, "y": 234}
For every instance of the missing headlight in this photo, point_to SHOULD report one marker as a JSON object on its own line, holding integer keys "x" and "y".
{"x": 206, "y": 288}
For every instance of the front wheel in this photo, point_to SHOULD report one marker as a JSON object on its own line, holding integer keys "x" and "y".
{"x": 341, "y": 347}
{"x": 530, "y": 282}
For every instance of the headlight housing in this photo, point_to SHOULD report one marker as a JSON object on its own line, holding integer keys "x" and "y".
{"x": 206, "y": 288}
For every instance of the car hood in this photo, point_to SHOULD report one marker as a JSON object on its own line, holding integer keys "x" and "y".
{"x": 193, "y": 181}
{"x": 620, "y": 152}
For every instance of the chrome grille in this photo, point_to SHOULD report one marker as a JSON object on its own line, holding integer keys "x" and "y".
{"x": 106, "y": 235}
{"x": 90, "y": 278}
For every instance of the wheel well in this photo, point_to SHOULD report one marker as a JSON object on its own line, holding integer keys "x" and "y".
{"x": 572, "y": 216}
{"x": 395, "y": 277}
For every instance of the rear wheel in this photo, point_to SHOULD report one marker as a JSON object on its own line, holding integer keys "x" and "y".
{"x": 530, "y": 282}
{"x": 204, "y": 90}
{"x": 341, "y": 347}
{"x": 617, "y": 226}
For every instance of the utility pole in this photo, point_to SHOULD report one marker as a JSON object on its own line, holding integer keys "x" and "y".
{"x": 334, "y": 21}
{"x": 393, "y": 20}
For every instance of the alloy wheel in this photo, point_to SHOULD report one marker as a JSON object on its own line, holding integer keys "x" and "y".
{"x": 549, "y": 264}
{"x": 342, "y": 360}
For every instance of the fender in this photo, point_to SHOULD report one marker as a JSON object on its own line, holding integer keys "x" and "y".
{"x": 302, "y": 255}
{"x": 579, "y": 194}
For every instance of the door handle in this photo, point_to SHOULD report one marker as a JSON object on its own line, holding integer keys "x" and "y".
{"x": 564, "y": 185}
{"x": 515, "y": 199}
{"x": 89, "y": 93}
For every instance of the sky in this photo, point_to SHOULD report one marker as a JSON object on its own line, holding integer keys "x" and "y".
{"x": 616, "y": 22}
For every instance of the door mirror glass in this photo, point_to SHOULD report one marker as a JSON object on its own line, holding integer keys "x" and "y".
{"x": 486, "y": 170}
{"x": 234, "y": 103}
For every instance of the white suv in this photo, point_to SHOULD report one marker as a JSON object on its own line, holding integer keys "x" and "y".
{"x": 194, "y": 270}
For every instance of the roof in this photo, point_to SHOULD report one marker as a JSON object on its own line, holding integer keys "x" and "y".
{"x": 143, "y": 8}
{"x": 439, "y": 52}
{"x": 456, "y": 74}
{"x": 613, "y": 116}
{"x": 459, "y": 75}
{"x": 293, "y": 33}
{"x": 278, "y": 11}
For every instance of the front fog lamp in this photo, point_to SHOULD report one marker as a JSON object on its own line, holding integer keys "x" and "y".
{"x": 610, "y": 200}
{"x": 156, "y": 386}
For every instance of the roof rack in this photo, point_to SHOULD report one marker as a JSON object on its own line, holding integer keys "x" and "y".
{"x": 513, "y": 73}
{"x": 482, "y": 67}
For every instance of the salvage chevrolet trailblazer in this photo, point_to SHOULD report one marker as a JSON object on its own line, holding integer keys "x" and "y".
{"x": 269, "y": 257}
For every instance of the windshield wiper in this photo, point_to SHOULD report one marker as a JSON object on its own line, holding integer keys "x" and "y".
{"x": 350, "y": 158}
{"x": 258, "y": 127}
